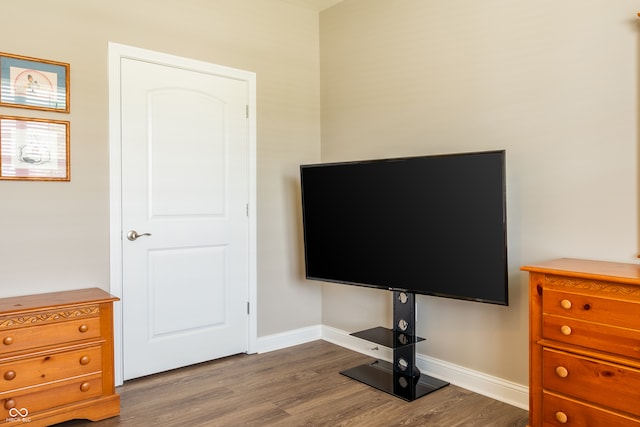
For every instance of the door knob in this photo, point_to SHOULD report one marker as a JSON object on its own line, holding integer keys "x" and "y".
{"x": 133, "y": 235}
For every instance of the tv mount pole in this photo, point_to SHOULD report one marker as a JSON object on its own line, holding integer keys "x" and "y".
{"x": 401, "y": 378}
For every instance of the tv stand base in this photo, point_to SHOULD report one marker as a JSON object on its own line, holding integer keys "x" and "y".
{"x": 402, "y": 378}
{"x": 379, "y": 374}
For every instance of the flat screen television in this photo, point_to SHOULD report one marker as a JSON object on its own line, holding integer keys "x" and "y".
{"x": 433, "y": 225}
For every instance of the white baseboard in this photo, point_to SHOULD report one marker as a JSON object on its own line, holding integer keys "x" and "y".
{"x": 288, "y": 339}
{"x": 497, "y": 388}
{"x": 343, "y": 339}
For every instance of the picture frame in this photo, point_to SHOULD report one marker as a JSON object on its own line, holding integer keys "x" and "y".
{"x": 34, "y": 149}
{"x": 33, "y": 83}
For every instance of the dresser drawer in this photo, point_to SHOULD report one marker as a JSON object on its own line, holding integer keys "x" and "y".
{"x": 607, "y": 384}
{"x": 47, "y": 368}
{"x": 43, "y": 398}
{"x": 584, "y": 335}
{"x": 12, "y": 340}
{"x": 597, "y": 336}
{"x": 56, "y": 358}
{"x": 611, "y": 308}
{"x": 562, "y": 411}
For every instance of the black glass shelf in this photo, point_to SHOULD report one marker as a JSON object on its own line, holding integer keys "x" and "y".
{"x": 380, "y": 375}
{"x": 387, "y": 337}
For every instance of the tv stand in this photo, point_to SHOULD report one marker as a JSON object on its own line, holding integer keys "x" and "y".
{"x": 402, "y": 378}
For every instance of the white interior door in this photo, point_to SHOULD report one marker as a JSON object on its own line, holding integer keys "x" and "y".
{"x": 185, "y": 191}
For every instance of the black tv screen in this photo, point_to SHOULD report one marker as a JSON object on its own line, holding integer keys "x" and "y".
{"x": 433, "y": 225}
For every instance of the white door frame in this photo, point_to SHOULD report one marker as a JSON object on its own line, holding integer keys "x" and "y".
{"x": 116, "y": 52}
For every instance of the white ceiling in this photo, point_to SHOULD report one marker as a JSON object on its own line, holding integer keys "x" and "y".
{"x": 318, "y": 5}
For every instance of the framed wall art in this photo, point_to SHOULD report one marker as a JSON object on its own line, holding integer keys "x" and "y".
{"x": 34, "y": 149}
{"x": 34, "y": 83}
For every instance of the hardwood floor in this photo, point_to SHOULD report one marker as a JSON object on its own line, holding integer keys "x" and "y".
{"x": 297, "y": 386}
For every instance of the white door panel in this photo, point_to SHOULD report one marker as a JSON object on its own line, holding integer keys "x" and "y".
{"x": 172, "y": 193}
{"x": 170, "y": 266}
{"x": 185, "y": 182}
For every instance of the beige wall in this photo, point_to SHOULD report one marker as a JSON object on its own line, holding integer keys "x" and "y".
{"x": 555, "y": 83}
{"x": 55, "y": 235}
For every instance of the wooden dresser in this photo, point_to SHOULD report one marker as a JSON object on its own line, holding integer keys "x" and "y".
{"x": 584, "y": 366}
{"x": 56, "y": 358}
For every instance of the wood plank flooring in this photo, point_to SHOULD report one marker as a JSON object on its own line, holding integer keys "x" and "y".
{"x": 297, "y": 386}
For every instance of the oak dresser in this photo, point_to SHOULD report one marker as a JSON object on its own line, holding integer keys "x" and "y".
{"x": 56, "y": 357}
{"x": 584, "y": 366}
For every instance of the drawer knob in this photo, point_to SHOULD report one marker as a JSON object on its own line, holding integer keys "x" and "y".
{"x": 83, "y": 328}
{"x": 84, "y": 360}
{"x": 85, "y": 386}
{"x": 9, "y": 403}
{"x": 7, "y": 340}
{"x": 566, "y": 304}
{"x": 565, "y": 330}
{"x": 561, "y": 417}
{"x": 9, "y": 375}
{"x": 562, "y": 372}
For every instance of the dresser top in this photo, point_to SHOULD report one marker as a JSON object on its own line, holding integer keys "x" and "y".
{"x": 53, "y": 300}
{"x": 599, "y": 270}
